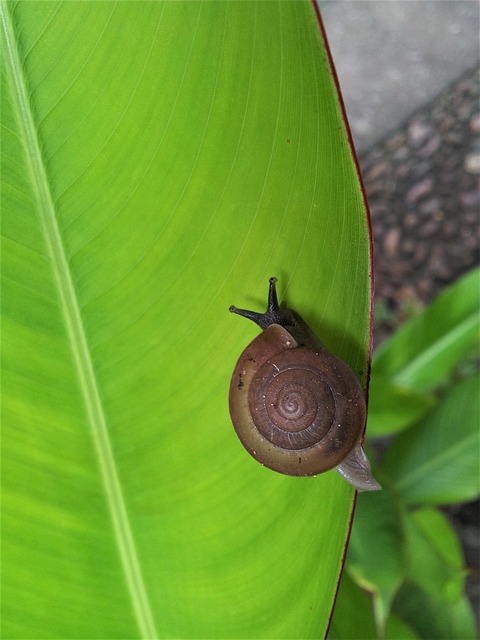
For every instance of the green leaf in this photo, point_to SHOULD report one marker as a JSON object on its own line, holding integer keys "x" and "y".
{"x": 160, "y": 161}
{"x": 431, "y": 618}
{"x": 393, "y": 408}
{"x": 435, "y": 559}
{"x": 435, "y": 577}
{"x": 436, "y": 462}
{"x": 424, "y": 351}
{"x": 353, "y": 617}
{"x": 376, "y": 558}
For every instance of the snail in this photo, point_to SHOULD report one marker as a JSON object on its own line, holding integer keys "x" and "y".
{"x": 297, "y": 408}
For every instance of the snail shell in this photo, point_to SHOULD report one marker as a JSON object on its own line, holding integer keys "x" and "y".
{"x": 296, "y": 407}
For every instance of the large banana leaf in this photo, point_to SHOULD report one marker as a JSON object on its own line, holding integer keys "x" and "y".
{"x": 160, "y": 161}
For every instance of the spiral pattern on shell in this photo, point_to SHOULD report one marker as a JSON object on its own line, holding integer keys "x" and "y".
{"x": 297, "y": 410}
{"x": 292, "y": 403}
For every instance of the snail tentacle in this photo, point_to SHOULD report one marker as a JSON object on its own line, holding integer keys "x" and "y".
{"x": 282, "y": 315}
{"x": 275, "y": 313}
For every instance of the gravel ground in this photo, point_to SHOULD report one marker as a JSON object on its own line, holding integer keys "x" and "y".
{"x": 422, "y": 184}
{"x": 423, "y": 187}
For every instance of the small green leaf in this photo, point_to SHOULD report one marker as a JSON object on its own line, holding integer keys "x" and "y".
{"x": 353, "y": 617}
{"x": 376, "y": 558}
{"x": 392, "y": 408}
{"x": 431, "y": 618}
{"x": 353, "y": 613}
{"x": 423, "y": 352}
{"x": 436, "y": 461}
{"x": 435, "y": 558}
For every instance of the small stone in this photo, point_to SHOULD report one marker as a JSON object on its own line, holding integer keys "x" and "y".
{"x": 428, "y": 230}
{"x": 446, "y": 123}
{"x": 398, "y": 272}
{"x": 471, "y": 243}
{"x": 420, "y": 169}
{"x": 419, "y": 190}
{"x": 420, "y": 253}
{"x": 390, "y": 243}
{"x": 408, "y": 246}
{"x": 436, "y": 264}
{"x": 465, "y": 232}
{"x": 431, "y": 146}
{"x": 374, "y": 188}
{"x": 424, "y": 287}
{"x": 418, "y": 132}
{"x": 450, "y": 229}
{"x": 402, "y": 171}
{"x": 475, "y": 123}
{"x": 472, "y": 163}
{"x": 401, "y": 154}
{"x": 471, "y": 217}
{"x": 396, "y": 142}
{"x": 455, "y": 138}
{"x": 430, "y": 206}
{"x": 470, "y": 199}
{"x": 378, "y": 210}
{"x": 475, "y": 145}
{"x": 463, "y": 112}
{"x": 410, "y": 220}
{"x": 376, "y": 171}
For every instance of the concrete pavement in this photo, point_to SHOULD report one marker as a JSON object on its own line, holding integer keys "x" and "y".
{"x": 394, "y": 56}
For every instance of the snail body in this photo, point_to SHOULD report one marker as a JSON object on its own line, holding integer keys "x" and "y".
{"x": 297, "y": 408}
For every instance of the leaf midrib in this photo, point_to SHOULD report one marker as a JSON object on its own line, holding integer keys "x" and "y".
{"x": 78, "y": 341}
